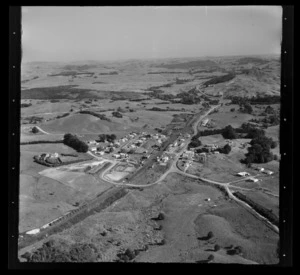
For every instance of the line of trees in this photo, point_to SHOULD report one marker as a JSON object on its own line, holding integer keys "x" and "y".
{"x": 259, "y": 100}
{"x": 259, "y": 208}
{"x": 74, "y": 142}
{"x": 40, "y": 141}
{"x": 219, "y": 79}
{"x": 101, "y": 116}
{"x": 63, "y": 115}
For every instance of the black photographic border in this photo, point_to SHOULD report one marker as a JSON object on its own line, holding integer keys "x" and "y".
{"x": 286, "y": 150}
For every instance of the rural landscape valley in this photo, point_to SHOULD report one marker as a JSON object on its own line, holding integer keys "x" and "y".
{"x": 150, "y": 160}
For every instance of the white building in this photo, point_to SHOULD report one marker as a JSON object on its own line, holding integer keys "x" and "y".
{"x": 253, "y": 179}
{"x": 268, "y": 172}
{"x": 205, "y": 121}
{"x": 93, "y": 149}
{"x": 165, "y": 158}
{"x": 243, "y": 174}
{"x": 34, "y": 231}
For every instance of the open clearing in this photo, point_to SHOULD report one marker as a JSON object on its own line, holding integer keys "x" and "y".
{"x": 46, "y": 196}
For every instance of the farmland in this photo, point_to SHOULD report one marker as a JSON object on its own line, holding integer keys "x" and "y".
{"x": 173, "y": 195}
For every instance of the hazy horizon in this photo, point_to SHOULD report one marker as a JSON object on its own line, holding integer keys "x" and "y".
{"x": 152, "y": 59}
{"x": 77, "y": 34}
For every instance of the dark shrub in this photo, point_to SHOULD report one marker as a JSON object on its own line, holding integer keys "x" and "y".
{"x": 229, "y": 132}
{"x": 75, "y": 143}
{"x": 35, "y": 130}
{"x": 210, "y": 235}
{"x": 210, "y": 258}
{"x": 217, "y": 247}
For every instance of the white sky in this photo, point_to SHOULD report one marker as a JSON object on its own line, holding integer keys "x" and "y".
{"x": 112, "y": 33}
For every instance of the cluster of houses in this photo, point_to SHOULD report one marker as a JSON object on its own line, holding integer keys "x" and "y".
{"x": 246, "y": 174}
{"x": 120, "y": 156}
{"x": 177, "y": 144}
{"x": 163, "y": 159}
{"x": 188, "y": 154}
{"x": 132, "y": 146}
{"x": 252, "y": 179}
{"x": 51, "y": 158}
{"x": 211, "y": 148}
{"x": 95, "y": 147}
{"x": 263, "y": 170}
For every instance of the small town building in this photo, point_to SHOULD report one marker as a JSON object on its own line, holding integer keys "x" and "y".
{"x": 243, "y": 174}
{"x": 268, "y": 172}
{"x": 204, "y": 122}
{"x": 253, "y": 179}
{"x": 34, "y": 231}
{"x": 165, "y": 158}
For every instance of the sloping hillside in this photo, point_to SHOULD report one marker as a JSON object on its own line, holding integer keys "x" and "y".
{"x": 82, "y": 124}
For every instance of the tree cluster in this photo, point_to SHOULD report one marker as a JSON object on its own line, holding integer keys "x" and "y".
{"x": 117, "y": 114}
{"x": 259, "y": 152}
{"x": 101, "y": 116}
{"x": 50, "y": 252}
{"x": 74, "y": 142}
{"x": 226, "y": 149}
{"x": 35, "y": 130}
{"x": 107, "y": 137}
{"x": 229, "y": 133}
{"x": 195, "y": 142}
{"x": 189, "y": 97}
{"x": 246, "y": 108}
